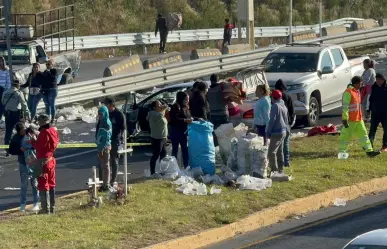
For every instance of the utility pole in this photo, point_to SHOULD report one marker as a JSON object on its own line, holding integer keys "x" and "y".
{"x": 7, "y": 16}
{"x": 320, "y": 18}
{"x": 290, "y": 21}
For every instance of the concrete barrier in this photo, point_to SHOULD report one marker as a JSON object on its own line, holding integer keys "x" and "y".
{"x": 304, "y": 35}
{"x": 382, "y": 22}
{"x": 204, "y": 53}
{"x": 363, "y": 25}
{"x": 334, "y": 30}
{"x": 130, "y": 65}
{"x": 161, "y": 60}
{"x": 237, "y": 48}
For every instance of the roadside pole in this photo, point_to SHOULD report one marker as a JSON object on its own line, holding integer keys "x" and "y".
{"x": 7, "y": 12}
{"x": 125, "y": 163}
{"x": 290, "y": 21}
{"x": 320, "y": 18}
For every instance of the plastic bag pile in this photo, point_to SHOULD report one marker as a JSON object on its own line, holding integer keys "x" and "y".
{"x": 77, "y": 113}
{"x": 242, "y": 152}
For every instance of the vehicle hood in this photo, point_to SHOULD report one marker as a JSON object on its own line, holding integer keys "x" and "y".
{"x": 21, "y": 72}
{"x": 289, "y": 78}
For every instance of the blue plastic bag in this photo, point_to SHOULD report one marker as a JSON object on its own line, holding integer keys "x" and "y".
{"x": 201, "y": 146}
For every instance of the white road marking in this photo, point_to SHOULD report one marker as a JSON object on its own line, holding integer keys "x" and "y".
{"x": 76, "y": 154}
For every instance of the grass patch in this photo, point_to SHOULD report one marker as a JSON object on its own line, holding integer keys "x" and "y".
{"x": 156, "y": 212}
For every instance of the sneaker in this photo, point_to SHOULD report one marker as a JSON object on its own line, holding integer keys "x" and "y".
{"x": 384, "y": 149}
{"x": 373, "y": 153}
{"x": 23, "y": 208}
{"x": 35, "y": 207}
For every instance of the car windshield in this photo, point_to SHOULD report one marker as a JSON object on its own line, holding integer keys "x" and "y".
{"x": 365, "y": 247}
{"x": 290, "y": 63}
{"x": 20, "y": 53}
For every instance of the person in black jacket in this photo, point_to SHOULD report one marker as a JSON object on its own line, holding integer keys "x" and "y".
{"x": 34, "y": 84}
{"x": 179, "y": 118}
{"x": 49, "y": 89}
{"x": 162, "y": 27}
{"x": 378, "y": 109}
{"x": 198, "y": 104}
{"x": 280, "y": 85}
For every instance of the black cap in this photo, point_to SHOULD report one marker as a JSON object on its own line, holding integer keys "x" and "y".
{"x": 379, "y": 76}
{"x": 109, "y": 101}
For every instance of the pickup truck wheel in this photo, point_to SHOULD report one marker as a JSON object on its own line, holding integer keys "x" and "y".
{"x": 314, "y": 113}
{"x": 66, "y": 79}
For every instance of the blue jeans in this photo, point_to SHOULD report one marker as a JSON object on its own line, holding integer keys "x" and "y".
{"x": 287, "y": 150}
{"x": 26, "y": 177}
{"x": 2, "y": 90}
{"x": 33, "y": 101}
{"x": 49, "y": 98}
{"x": 179, "y": 138}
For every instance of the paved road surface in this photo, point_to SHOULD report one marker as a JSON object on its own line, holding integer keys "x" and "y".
{"x": 74, "y": 165}
{"x": 324, "y": 229}
{"x": 93, "y": 69}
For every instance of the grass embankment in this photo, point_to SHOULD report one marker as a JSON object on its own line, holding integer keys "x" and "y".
{"x": 156, "y": 212}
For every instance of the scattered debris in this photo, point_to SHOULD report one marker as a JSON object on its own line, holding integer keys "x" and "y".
{"x": 66, "y": 131}
{"x": 11, "y": 189}
{"x": 84, "y": 134}
{"x": 339, "y": 202}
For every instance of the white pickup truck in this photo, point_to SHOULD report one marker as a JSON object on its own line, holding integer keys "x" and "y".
{"x": 316, "y": 76}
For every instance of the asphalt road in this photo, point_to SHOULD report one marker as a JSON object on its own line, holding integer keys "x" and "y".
{"x": 93, "y": 69}
{"x": 74, "y": 165}
{"x": 330, "y": 228}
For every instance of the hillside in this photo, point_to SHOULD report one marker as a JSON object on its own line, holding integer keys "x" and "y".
{"x": 123, "y": 16}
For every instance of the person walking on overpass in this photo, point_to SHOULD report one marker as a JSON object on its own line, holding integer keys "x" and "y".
{"x": 227, "y": 33}
{"x": 118, "y": 121}
{"x": 49, "y": 89}
{"x": 378, "y": 109}
{"x": 34, "y": 83}
{"x": 352, "y": 119}
{"x": 15, "y": 107}
{"x": 104, "y": 134}
{"x": 280, "y": 85}
{"x": 5, "y": 83}
{"x": 162, "y": 28}
{"x": 45, "y": 167}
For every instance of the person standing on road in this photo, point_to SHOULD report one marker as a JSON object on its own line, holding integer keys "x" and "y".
{"x": 45, "y": 167}
{"x": 24, "y": 136}
{"x": 162, "y": 27}
{"x": 5, "y": 83}
{"x": 118, "y": 121}
{"x": 368, "y": 79}
{"x": 227, "y": 33}
{"x": 104, "y": 135}
{"x": 378, "y": 109}
{"x": 262, "y": 111}
{"x": 34, "y": 83}
{"x": 16, "y": 109}
{"x": 49, "y": 89}
{"x": 179, "y": 120}
{"x": 218, "y": 104}
{"x": 280, "y": 85}
{"x": 277, "y": 130}
{"x": 159, "y": 133}
{"x": 352, "y": 119}
{"x": 198, "y": 104}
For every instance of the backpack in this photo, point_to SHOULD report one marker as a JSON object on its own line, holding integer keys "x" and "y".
{"x": 15, "y": 145}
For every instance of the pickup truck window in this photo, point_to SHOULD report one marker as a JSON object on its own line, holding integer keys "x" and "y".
{"x": 326, "y": 60}
{"x": 20, "y": 53}
{"x": 291, "y": 63}
{"x": 337, "y": 56}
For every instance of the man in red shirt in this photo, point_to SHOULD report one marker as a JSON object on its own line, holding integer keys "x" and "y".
{"x": 45, "y": 146}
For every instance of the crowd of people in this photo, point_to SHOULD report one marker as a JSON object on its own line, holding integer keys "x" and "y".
{"x": 274, "y": 116}
{"x": 16, "y": 106}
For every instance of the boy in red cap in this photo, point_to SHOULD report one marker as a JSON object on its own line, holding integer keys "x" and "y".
{"x": 276, "y": 130}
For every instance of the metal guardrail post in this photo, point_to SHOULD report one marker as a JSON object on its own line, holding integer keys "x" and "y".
{"x": 125, "y": 163}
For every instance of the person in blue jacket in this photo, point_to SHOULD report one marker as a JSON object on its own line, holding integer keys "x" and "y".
{"x": 262, "y": 111}
{"x": 103, "y": 138}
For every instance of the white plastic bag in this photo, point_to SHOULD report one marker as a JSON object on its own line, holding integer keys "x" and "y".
{"x": 247, "y": 182}
{"x": 168, "y": 167}
{"x": 215, "y": 191}
{"x": 252, "y": 155}
{"x": 66, "y": 131}
{"x": 241, "y": 130}
{"x": 232, "y": 161}
{"x": 202, "y": 189}
{"x": 212, "y": 179}
{"x": 224, "y": 134}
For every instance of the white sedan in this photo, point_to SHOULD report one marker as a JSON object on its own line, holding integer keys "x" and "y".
{"x": 376, "y": 239}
